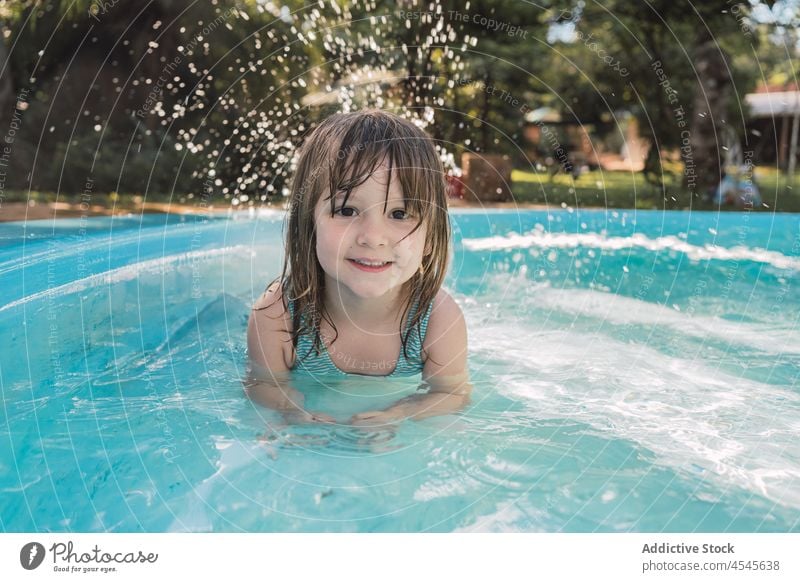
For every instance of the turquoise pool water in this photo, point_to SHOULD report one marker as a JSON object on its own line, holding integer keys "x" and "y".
{"x": 633, "y": 371}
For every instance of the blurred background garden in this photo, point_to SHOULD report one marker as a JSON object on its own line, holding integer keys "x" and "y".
{"x": 149, "y": 105}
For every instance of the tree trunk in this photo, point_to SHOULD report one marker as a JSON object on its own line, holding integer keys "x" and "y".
{"x": 6, "y": 86}
{"x": 485, "y": 108}
{"x": 701, "y": 149}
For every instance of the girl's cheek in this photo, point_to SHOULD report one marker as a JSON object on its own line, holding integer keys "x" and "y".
{"x": 406, "y": 245}
{"x": 414, "y": 242}
{"x": 330, "y": 231}
{"x": 409, "y": 250}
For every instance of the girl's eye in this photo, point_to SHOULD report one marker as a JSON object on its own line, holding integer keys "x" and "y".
{"x": 349, "y": 212}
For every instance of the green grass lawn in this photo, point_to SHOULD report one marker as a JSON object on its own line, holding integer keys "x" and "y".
{"x": 631, "y": 190}
{"x": 600, "y": 189}
{"x": 106, "y": 200}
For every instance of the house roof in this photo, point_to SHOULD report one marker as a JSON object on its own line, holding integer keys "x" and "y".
{"x": 543, "y": 115}
{"x": 775, "y": 104}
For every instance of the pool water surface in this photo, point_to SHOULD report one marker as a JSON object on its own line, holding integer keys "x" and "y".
{"x": 632, "y": 371}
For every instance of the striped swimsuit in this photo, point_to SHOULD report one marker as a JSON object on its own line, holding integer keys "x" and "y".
{"x": 308, "y": 362}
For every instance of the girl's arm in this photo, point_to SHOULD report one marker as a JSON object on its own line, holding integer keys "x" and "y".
{"x": 274, "y": 391}
{"x": 445, "y": 374}
{"x": 267, "y": 381}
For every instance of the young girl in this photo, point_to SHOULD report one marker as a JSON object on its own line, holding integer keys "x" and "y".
{"x": 367, "y": 250}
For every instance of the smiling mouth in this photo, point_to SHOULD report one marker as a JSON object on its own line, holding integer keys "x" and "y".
{"x": 370, "y": 265}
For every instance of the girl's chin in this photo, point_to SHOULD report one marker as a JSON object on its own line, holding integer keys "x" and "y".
{"x": 373, "y": 291}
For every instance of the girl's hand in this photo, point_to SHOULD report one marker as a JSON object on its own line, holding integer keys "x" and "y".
{"x": 322, "y": 418}
{"x": 376, "y": 418}
{"x": 306, "y": 417}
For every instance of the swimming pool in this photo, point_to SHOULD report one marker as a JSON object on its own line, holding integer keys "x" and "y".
{"x": 633, "y": 371}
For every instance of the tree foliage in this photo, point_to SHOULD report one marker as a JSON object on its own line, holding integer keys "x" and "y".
{"x": 211, "y": 98}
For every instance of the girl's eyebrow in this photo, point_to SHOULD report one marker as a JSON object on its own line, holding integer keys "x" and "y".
{"x": 390, "y": 203}
{"x": 340, "y": 194}
{"x": 340, "y": 198}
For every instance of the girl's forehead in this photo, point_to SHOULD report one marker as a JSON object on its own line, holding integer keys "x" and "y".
{"x": 382, "y": 174}
{"x": 374, "y": 188}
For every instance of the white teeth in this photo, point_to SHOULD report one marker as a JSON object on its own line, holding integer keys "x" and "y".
{"x": 368, "y": 264}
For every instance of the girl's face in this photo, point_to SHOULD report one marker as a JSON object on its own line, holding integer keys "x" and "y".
{"x": 362, "y": 231}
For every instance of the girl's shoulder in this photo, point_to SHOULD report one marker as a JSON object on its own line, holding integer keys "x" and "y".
{"x": 272, "y": 293}
{"x": 443, "y": 304}
{"x": 445, "y": 315}
{"x": 270, "y": 328}
{"x": 273, "y": 301}
{"x": 445, "y": 342}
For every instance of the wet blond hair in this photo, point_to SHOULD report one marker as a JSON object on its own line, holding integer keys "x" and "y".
{"x": 338, "y": 156}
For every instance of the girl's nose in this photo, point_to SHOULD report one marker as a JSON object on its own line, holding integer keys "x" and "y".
{"x": 372, "y": 232}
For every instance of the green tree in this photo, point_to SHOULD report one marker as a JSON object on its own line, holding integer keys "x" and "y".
{"x": 681, "y": 79}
